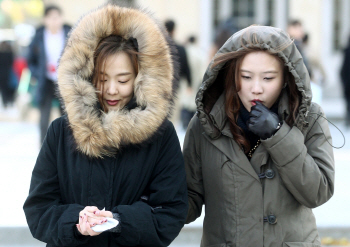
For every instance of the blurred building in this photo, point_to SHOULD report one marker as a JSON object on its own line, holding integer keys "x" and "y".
{"x": 326, "y": 21}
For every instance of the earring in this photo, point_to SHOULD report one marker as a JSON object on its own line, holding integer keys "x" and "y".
{"x": 285, "y": 85}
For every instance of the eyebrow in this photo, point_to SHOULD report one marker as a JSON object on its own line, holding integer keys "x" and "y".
{"x": 265, "y": 72}
{"x": 120, "y": 74}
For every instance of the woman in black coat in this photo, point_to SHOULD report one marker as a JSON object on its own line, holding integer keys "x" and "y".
{"x": 345, "y": 77}
{"x": 6, "y": 62}
{"x": 115, "y": 148}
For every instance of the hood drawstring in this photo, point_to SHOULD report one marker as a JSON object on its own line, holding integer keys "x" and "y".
{"x": 331, "y": 124}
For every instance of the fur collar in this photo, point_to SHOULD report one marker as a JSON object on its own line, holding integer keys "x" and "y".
{"x": 98, "y": 134}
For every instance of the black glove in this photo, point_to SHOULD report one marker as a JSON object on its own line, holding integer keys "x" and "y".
{"x": 262, "y": 121}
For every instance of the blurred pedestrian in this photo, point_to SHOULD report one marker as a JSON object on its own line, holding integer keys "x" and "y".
{"x": 345, "y": 77}
{"x": 181, "y": 57}
{"x": 180, "y": 60}
{"x": 43, "y": 55}
{"x": 115, "y": 148}
{"x": 296, "y": 31}
{"x": 258, "y": 152}
{"x": 8, "y": 79}
{"x": 223, "y": 32}
{"x": 316, "y": 72}
{"x": 197, "y": 64}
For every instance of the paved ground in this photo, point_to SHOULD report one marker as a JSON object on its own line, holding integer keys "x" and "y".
{"x": 19, "y": 146}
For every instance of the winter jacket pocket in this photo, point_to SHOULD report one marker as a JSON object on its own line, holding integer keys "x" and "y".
{"x": 300, "y": 244}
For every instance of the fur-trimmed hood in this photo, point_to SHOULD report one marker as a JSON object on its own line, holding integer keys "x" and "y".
{"x": 269, "y": 38}
{"x": 97, "y": 133}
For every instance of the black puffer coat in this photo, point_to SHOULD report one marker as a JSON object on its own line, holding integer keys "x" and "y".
{"x": 112, "y": 159}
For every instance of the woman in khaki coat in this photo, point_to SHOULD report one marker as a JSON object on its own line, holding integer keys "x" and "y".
{"x": 258, "y": 152}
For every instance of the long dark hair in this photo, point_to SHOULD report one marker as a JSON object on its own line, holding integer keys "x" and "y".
{"x": 109, "y": 46}
{"x": 233, "y": 63}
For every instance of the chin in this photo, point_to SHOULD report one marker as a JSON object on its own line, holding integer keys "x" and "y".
{"x": 247, "y": 107}
{"x": 111, "y": 108}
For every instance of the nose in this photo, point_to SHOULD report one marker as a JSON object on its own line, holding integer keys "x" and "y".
{"x": 111, "y": 87}
{"x": 257, "y": 87}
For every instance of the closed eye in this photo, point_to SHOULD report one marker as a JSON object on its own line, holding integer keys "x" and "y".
{"x": 123, "y": 81}
{"x": 245, "y": 77}
{"x": 269, "y": 78}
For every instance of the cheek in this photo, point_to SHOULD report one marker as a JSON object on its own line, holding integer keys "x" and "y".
{"x": 274, "y": 92}
{"x": 101, "y": 88}
{"x": 131, "y": 89}
{"x": 240, "y": 94}
{"x": 127, "y": 91}
{"x": 279, "y": 87}
{"x": 243, "y": 92}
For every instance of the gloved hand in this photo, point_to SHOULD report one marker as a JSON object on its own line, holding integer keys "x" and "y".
{"x": 262, "y": 121}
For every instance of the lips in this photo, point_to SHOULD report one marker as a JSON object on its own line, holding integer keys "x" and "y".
{"x": 112, "y": 102}
{"x": 255, "y": 100}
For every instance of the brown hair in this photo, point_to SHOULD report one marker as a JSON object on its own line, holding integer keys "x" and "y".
{"x": 109, "y": 46}
{"x": 233, "y": 61}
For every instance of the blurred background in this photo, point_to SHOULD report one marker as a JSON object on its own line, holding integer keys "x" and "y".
{"x": 321, "y": 30}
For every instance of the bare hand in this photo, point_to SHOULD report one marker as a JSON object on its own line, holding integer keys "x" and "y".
{"x": 92, "y": 217}
{"x": 84, "y": 227}
{"x": 106, "y": 214}
{"x": 89, "y": 217}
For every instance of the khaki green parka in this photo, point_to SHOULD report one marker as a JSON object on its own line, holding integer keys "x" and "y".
{"x": 266, "y": 201}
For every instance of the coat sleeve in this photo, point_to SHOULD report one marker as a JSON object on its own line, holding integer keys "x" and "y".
{"x": 193, "y": 168}
{"x": 48, "y": 219}
{"x": 159, "y": 220}
{"x": 305, "y": 164}
{"x": 32, "y": 57}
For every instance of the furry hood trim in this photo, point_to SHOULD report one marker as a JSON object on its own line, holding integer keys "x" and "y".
{"x": 99, "y": 134}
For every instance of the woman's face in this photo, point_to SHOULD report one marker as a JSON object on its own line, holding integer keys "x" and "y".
{"x": 261, "y": 79}
{"x": 118, "y": 84}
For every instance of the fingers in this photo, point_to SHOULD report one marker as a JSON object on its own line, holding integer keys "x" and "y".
{"x": 255, "y": 113}
{"x": 91, "y": 209}
{"x": 89, "y": 230}
{"x": 250, "y": 125}
{"x": 78, "y": 227}
{"x": 261, "y": 107}
{"x": 89, "y": 217}
{"x": 255, "y": 110}
{"x": 81, "y": 226}
{"x": 90, "y": 212}
{"x": 104, "y": 214}
{"x": 98, "y": 221}
{"x": 84, "y": 227}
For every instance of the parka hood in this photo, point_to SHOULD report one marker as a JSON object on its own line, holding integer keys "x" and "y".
{"x": 266, "y": 38}
{"x": 97, "y": 133}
